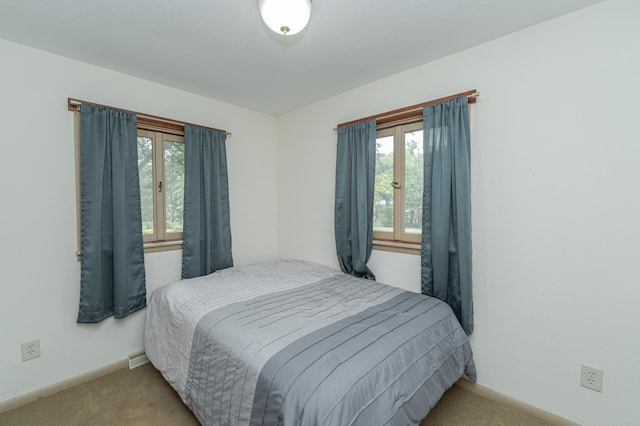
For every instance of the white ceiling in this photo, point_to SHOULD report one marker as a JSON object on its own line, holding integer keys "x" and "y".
{"x": 222, "y": 50}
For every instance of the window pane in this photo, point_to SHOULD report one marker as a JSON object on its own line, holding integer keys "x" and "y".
{"x": 174, "y": 185}
{"x": 414, "y": 172}
{"x": 145, "y": 171}
{"x": 383, "y": 195}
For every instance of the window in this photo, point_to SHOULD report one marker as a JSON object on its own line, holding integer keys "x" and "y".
{"x": 161, "y": 171}
{"x": 397, "y": 203}
{"x": 161, "y": 166}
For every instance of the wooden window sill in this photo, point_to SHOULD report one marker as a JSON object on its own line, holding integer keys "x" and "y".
{"x": 157, "y": 246}
{"x": 397, "y": 246}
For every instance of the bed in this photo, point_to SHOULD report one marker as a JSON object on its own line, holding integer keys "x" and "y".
{"x": 297, "y": 343}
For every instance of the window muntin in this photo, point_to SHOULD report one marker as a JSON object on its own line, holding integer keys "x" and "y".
{"x": 398, "y": 187}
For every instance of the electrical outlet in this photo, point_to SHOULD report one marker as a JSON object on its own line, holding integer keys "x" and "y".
{"x": 30, "y": 349}
{"x": 591, "y": 377}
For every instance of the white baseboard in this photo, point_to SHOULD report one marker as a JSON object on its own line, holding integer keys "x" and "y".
{"x": 60, "y": 386}
{"x": 513, "y": 403}
{"x": 140, "y": 358}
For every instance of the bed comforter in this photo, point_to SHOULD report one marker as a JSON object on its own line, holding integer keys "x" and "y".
{"x": 296, "y": 343}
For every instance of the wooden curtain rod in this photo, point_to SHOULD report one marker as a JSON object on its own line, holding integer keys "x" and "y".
{"x": 148, "y": 119}
{"x": 412, "y": 111}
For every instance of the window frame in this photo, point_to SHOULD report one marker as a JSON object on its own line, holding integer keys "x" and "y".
{"x": 398, "y": 240}
{"x": 159, "y": 137}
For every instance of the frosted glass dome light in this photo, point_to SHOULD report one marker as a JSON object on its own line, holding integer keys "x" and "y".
{"x": 285, "y": 17}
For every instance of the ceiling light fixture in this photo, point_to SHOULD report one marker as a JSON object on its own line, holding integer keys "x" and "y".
{"x": 285, "y": 17}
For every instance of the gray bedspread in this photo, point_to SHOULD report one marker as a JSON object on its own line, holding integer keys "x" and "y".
{"x": 339, "y": 351}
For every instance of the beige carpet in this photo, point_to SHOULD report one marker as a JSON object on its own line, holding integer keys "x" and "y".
{"x": 142, "y": 397}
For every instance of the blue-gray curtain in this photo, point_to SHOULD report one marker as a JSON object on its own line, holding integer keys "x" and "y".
{"x": 207, "y": 228}
{"x": 112, "y": 276}
{"x": 446, "y": 208}
{"x": 355, "y": 181}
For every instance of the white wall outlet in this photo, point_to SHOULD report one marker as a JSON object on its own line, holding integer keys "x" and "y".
{"x": 30, "y": 349}
{"x": 591, "y": 377}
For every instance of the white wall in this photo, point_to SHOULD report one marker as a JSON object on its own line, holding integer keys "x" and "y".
{"x": 556, "y": 203}
{"x": 39, "y": 276}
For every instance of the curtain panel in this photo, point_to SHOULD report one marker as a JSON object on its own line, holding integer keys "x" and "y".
{"x": 446, "y": 219}
{"x": 207, "y": 228}
{"x": 112, "y": 274}
{"x": 355, "y": 181}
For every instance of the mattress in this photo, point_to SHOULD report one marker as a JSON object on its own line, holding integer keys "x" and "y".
{"x": 297, "y": 343}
